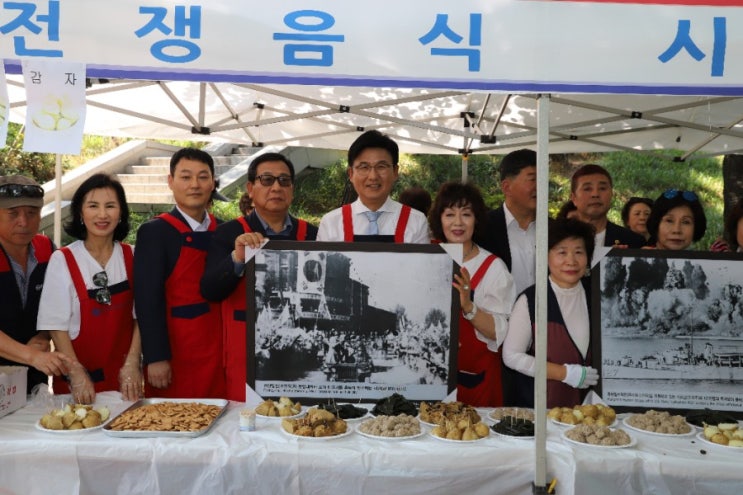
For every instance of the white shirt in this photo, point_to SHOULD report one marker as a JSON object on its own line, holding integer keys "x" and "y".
{"x": 599, "y": 253}
{"x": 494, "y": 295}
{"x": 416, "y": 231}
{"x": 523, "y": 246}
{"x": 195, "y": 225}
{"x": 574, "y": 309}
{"x": 59, "y": 308}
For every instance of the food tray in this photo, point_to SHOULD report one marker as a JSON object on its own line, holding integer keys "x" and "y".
{"x": 221, "y": 403}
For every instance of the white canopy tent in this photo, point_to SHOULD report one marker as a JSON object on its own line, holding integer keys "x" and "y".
{"x": 286, "y": 75}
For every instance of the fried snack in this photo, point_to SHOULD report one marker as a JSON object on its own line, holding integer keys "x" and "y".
{"x": 728, "y": 434}
{"x": 282, "y": 408}
{"x": 167, "y": 416}
{"x": 401, "y": 425}
{"x": 74, "y": 417}
{"x": 437, "y": 412}
{"x": 588, "y": 414}
{"x": 659, "y": 422}
{"x": 514, "y": 412}
{"x": 598, "y": 435}
{"x": 461, "y": 430}
{"x": 317, "y": 423}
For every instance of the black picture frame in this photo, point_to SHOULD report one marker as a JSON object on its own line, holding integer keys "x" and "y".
{"x": 667, "y": 330}
{"x": 351, "y": 321}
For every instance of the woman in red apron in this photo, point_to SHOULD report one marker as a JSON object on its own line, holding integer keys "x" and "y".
{"x": 486, "y": 294}
{"x": 88, "y": 301}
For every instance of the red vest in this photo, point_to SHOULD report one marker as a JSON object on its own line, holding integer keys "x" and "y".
{"x": 402, "y": 223}
{"x": 477, "y": 360}
{"x": 105, "y": 329}
{"x": 235, "y": 329}
{"x": 193, "y": 323}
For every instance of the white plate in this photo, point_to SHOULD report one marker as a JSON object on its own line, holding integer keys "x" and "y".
{"x": 67, "y": 432}
{"x": 520, "y": 413}
{"x": 559, "y": 423}
{"x": 375, "y": 437}
{"x": 503, "y": 435}
{"x": 459, "y": 441}
{"x": 632, "y": 443}
{"x": 692, "y": 430}
{"x": 703, "y": 439}
{"x": 348, "y": 431}
{"x": 298, "y": 415}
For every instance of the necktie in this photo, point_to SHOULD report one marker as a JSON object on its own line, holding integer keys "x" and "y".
{"x": 373, "y": 228}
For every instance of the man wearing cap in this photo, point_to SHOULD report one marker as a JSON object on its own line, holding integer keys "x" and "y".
{"x": 271, "y": 188}
{"x": 180, "y": 330}
{"x": 374, "y": 216}
{"x": 23, "y": 262}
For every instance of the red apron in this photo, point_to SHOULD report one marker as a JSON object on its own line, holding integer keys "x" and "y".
{"x": 398, "y": 238}
{"x": 480, "y": 386}
{"x": 235, "y": 334}
{"x": 105, "y": 329}
{"x": 193, "y": 323}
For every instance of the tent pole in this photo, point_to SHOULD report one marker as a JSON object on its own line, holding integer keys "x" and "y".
{"x": 58, "y": 200}
{"x": 540, "y": 372}
{"x": 465, "y": 166}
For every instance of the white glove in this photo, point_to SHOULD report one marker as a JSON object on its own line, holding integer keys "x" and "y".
{"x": 578, "y": 376}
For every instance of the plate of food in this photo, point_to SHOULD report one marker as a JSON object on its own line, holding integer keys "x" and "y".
{"x": 450, "y": 431}
{"x": 399, "y": 427}
{"x": 74, "y": 419}
{"x": 166, "y": 418}
{"x": 318, "y": 424}
{"x": 347, "y": 412}
{"x": 499, "y": 413}
{"x": 595, "y": 436}
{"x": 511, "y": 427}
{"x": 436, "y": 413}
{"x": 659, "y": 423}
{"x": 394, "y": 405}
{"x": 589, "y": 414}
{"x": 725, "y": 435}
{"x": 700, "y": 418}
{"x": 284, "y": 408}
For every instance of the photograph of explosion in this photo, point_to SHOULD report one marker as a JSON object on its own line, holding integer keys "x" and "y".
{"x": 338, "y": 321}
{"x": 669, "y": 329}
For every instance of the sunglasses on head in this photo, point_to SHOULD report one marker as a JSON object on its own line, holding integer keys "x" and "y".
{"x": 268, "y": 180}
{"x": 21, "y": 190}
{"x": 102, "y": 295}
{"x": 687, "y": 195}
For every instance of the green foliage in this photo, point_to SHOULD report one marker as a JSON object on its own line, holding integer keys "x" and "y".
{"x": 645, "y": 174}
{"x": 13, "y": 160}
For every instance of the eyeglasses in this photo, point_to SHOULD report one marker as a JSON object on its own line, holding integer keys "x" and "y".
{"x": 102, "y": 295}
{"x": 687, "y": 195}
{"x": 381, "y": 168}
{"x": 268, "y": 180}
{"x": 21, "y": 190}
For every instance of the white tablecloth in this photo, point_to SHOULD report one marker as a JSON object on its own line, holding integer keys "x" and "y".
{"x": 226, "y": 460}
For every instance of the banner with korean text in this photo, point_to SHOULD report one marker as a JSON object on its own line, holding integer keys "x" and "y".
{"x": 663, "y": 47}
{"x": 56, "y": 106}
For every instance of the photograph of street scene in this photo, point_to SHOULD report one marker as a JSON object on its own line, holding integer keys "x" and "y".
{"x": 352, "y": 324}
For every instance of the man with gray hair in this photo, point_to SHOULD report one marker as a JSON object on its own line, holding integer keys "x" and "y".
{"x": 24, "y": 254}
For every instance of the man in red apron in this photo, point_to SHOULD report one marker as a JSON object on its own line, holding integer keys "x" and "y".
{"x": 373, "y": 169}
{"x": 24, "y": 255}
{"x": 181, "y": 331}
{"x": 271, "y": 187}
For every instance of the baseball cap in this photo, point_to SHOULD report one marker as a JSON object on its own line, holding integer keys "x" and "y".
{"x": 18, "y": 190}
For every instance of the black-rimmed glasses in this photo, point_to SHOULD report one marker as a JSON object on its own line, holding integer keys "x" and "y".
{"x": 102, "y": 295}
{"x": 21, "y": 190}
{"x": 690, "y": 196}
{"x": 268, "y": 180}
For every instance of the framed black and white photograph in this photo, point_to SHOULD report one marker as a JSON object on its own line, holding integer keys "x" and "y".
{"x": 351, "y": 321}
{"x": 668, "y": 328}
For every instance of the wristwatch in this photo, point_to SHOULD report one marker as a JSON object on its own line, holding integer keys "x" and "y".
{"x": 470, "y": 314}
